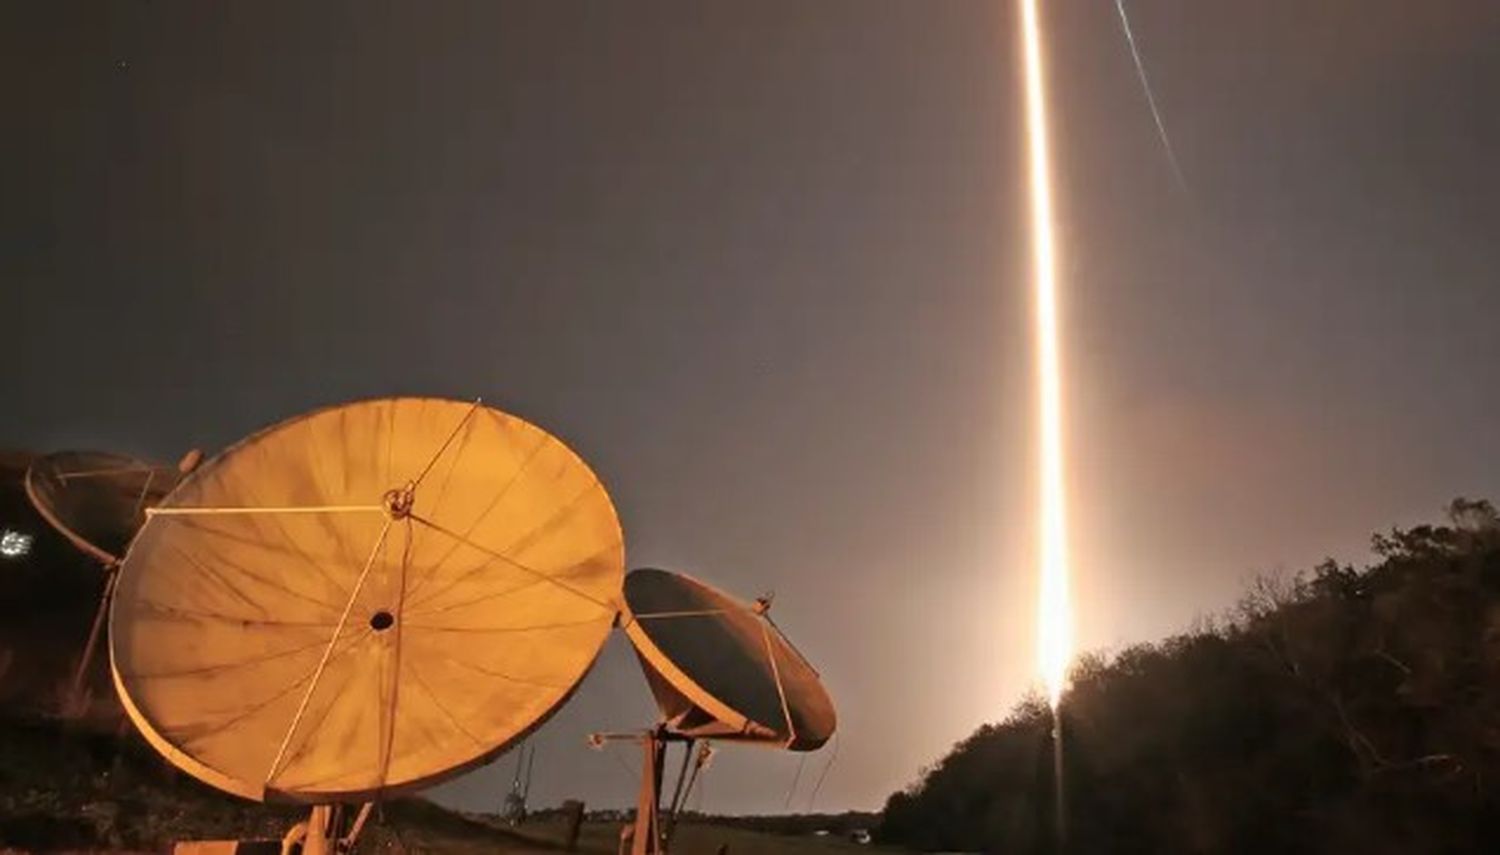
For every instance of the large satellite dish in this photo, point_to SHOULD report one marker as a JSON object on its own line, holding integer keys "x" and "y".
{"x": 364, "y": 600}
{"x": 720, "y": 668}
{"x": 97, "y": 499}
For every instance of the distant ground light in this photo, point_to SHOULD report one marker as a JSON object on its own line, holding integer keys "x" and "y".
{"x": 15, "y": 544}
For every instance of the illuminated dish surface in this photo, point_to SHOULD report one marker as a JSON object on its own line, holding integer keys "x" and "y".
{"x": 365, "y": 599}
{"x": 720, "y": 668}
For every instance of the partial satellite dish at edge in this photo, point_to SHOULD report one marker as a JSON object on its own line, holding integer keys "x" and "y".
{"x": 97, "y": 499}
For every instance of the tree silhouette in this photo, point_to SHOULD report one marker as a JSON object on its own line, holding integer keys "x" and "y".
{"x": 1340, "y": 710}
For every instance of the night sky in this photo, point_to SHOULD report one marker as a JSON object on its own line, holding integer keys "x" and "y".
{"x": 765, "y": 266}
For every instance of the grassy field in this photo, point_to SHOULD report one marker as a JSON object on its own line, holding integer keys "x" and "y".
{"x": 695, "y": 839}
{"x": 63, "y": 789}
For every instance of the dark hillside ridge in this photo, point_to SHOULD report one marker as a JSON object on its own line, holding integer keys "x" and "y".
{"x": 1343, "y": 710}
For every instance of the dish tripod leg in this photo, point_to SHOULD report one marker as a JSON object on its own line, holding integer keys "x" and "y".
{"x": 323, "y": 833}
{"x": 647, "y": 838}
{"x": 78, "y": 699}
{"x": 651, "y": 834}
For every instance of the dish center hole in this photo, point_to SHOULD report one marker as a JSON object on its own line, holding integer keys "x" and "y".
{"x": 382, "y": 621}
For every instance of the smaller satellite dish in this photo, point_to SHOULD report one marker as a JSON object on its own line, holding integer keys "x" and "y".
{"x": 720, "y": 668}
{"x": 96, "y": 499}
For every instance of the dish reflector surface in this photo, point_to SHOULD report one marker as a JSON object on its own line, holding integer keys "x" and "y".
{"x": 720, "y": 668}
{"x": 365, "y": 599}
{"x": 96, "y": 499}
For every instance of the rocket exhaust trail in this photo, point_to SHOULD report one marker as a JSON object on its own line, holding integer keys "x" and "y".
{"x": 1054, "y": 626}
{"x": 1054, "y": 615}
{"x": 1140, "y": 72}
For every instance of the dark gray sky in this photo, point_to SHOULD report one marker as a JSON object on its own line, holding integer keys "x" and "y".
{"x": 764, "y": 265}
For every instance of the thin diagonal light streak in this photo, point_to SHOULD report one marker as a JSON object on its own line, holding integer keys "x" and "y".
{"x": 1140, "y": 71}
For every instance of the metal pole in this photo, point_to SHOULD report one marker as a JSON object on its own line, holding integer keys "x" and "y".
{"x": 319, "y": 829}
{"x": 682, "y": 775}
{"x": 76, "y": 701}
{"x": 647, "y": 838}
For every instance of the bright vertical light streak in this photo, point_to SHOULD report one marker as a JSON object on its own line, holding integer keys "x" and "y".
{"x": 1054, "y": 617}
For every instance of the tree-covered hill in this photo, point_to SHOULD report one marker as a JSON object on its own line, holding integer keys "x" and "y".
{"x": 1343, "y": 710}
